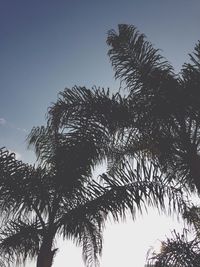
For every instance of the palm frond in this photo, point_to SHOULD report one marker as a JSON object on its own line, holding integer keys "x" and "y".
{"x": 12, "y": 172}
{"x": 92, "y": 243}
{"x": 146, "y": 183}
{"x": 86, "y": 231}
{"x": 154, "y": 89}
{"x": 129, "y": 188}
{"x": 134, "y": 59}
{"x": 20, "y": 240}
{"x": 94, "y": 114}
{"x": 192, "y": 216}
{"x": 22, "y": 186}
{"x": 91, "y": 121}
{"x": 177, "y": 251}
{"x": 190, "y": 84}
{"x": 78, "y": 106}
{"x": 195, "y": 57}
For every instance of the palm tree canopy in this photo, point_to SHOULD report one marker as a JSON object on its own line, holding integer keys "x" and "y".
{"x": 165, "y": 106}
{"x": 55, "y": 199}
{"x": 59, "y": 195}
{"x": 149, "y": 138}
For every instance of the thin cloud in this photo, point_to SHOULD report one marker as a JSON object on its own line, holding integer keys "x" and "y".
{"x": 21, "y": 129}
{"x": 2, "y": 121}
{"x": 12, "y": 126}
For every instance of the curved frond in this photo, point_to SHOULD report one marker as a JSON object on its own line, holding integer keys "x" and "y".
{"x": 90, "y": 121}
{"x": 92, "y": 243}
{"x": 190, "y": 79}
{"x": 86, "y": 231}
{"x": 131, "y": 188}
{"x": 177, "y": 251}
{"x": 192, "y": 216}
{"x": 134, "y": 59}
{"x": 19, "y": 240}
{"x": 13, "y": 179}
{"x": 82, "y": 107}
{"x": 195, "y": 57}
{"x": 22, "y": 186}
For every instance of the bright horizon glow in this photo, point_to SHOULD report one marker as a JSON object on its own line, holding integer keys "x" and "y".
{"x": 125, "y": 244}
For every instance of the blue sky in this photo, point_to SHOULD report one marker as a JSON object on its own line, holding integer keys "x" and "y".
{"x": 48, "y": 45}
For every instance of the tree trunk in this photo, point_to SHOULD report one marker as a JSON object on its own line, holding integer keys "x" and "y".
{"x": 46, "y": 254}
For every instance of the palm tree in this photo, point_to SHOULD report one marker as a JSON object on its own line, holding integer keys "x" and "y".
{"x": 180, "y": 250}
{"x": 158, "y": 118}
{"x": 165, "y": 106}
{"x": 149, "y": 138}
{"x": 59, "y": 196}
{"x": 166, "y": 109}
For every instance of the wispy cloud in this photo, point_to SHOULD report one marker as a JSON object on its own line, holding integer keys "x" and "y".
{"x": 2, "y": 121}
{"x": 21, "y": 129}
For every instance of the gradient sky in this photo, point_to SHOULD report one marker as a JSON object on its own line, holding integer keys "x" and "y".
{"x": 48, "y": 45}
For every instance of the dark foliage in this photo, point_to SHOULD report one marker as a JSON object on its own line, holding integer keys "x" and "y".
{"x": 180, "y": 250}
{"x": 149, "y": 138}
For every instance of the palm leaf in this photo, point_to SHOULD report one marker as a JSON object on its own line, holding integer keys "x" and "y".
{"x": 128, "y": 189}
{"x": 20, "y": 240}
{"x": 177, "y": 251}
{"x": 134, "y": 59}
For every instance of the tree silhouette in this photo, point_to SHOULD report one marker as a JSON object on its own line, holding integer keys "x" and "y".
{"x": 59, "y": 197}
{"x": 149, "y": 138}
{"x": 165, "y": 106}
{"x": 158, "y": 117}
{"x": 180, "y": 250}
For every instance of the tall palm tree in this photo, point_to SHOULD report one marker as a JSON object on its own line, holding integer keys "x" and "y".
{"x": 158, "y": 116}
{"x": 165, "y": 106}
{"x": 149, "y": 138}
{"x": 59, "y": 197}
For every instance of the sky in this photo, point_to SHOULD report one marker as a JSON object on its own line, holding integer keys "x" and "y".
{"x": 47, "y": 45}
